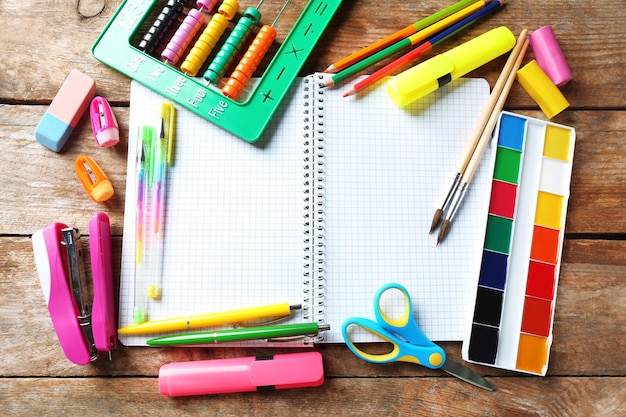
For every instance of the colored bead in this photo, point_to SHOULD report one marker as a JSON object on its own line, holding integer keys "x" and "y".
{"x": 206, "y": 6}
{"x": 229, "y": 9}
{"x": 232, "y": 45}
{"x": 161, "y": 25}
{"x": 209, "y": 38}
{"x": 250, "y": 62}
{"x": 183, "y": 37}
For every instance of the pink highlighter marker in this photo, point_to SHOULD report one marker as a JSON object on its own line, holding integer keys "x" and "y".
{"x": 220, "y": 376}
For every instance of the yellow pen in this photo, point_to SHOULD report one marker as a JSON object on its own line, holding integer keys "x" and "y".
{"x": 210, "y": 319}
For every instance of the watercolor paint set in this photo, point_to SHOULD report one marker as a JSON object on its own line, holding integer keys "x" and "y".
{"x": 513, "y": 313}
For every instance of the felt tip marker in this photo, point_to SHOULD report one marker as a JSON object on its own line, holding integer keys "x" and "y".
{"x": 221, "y": 376}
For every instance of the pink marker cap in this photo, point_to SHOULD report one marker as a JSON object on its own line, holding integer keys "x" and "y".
{"x": 220, "y": 376}
{"x": 549, "y": 55}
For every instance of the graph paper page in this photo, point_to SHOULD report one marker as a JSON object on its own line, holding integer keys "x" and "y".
{"x": 234, "y": 234}
{"x": 233, "y": 225}
{"x": 386, "y": 170}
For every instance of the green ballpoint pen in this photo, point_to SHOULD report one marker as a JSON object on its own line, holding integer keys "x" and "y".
{"x": 238, "y": 335}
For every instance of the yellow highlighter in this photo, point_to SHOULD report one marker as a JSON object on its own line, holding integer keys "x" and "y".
{"x": 438, "y": 71}
{"x": 210, "y": 319}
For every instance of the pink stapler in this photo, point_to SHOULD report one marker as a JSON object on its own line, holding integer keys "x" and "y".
{"x": 83, "y": 332}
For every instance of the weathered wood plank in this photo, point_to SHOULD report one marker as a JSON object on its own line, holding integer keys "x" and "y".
{"x": 554, "y": 396}
{"x": 598, "y": 174}
{"x": 590, "y": 36}
{"x": 588, "y": 357}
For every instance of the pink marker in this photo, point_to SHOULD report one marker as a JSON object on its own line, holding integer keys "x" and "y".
{"x": 220, "y": 376}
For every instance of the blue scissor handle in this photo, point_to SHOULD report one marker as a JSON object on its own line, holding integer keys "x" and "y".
{"x": 409, "y": 343}
{"x": 405, "y": 326}
{"x": 431, "y": 356}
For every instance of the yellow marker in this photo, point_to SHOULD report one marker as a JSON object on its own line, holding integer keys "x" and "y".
{"x": 438, "y": 71}
{"x": 211, "y": 319}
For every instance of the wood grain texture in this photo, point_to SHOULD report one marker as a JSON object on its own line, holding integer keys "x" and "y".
{"x": 587, "y": 371}
{"x": 590, "y": 36}
{"x": 598, "y": 173}
{"x": 565, "y": 397}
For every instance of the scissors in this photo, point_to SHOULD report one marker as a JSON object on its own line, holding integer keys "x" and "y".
{"x": 409, "y": 343}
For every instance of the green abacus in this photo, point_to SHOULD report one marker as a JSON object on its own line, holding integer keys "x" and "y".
{"x": 246, "y": 119}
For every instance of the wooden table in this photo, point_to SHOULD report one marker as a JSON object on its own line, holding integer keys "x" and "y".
{"x": 42, "y": 41}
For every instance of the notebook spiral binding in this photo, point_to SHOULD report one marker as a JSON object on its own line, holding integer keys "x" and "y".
{"x": 314, "y": 276}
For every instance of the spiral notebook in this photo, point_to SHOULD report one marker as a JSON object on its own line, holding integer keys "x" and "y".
{"x": 335, "y": 201}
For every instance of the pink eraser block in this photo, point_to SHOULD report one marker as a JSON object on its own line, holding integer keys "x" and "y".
{"x": 549, "y": 55}
{"x": 65, "y": 111}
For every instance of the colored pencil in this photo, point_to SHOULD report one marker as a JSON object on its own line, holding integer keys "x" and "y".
{"x": 404, "y": 43}
{"x": 395, "y": 37}
{"x": 480, "y": 138}
{"x": 423, "y": 48}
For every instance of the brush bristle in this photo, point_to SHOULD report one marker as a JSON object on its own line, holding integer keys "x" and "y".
{"x": 445, "y": 227}
{"x": 436, "y": 219}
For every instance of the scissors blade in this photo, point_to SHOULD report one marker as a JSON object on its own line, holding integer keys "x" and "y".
{"x": 466, "y": 374}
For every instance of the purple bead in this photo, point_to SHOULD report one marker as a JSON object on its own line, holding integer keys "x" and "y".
{"x": 206, "y": 5}
{"x": 183, "y": 36}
